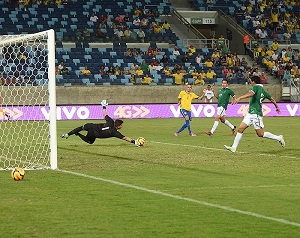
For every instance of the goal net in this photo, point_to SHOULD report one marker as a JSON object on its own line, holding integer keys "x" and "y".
{"x": 28, "y": 101}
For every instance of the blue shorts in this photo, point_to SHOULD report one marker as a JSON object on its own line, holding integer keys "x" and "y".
{"x": 185, "y": 113}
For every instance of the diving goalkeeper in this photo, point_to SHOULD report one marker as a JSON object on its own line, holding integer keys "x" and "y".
{"x": 100, "y": 130}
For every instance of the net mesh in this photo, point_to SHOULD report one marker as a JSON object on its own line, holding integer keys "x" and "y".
{"x": 24, "y": 91}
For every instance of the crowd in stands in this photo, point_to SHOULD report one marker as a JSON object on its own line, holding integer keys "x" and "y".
{"x": 282, "y": 63}
{"x": 156, "y": 66}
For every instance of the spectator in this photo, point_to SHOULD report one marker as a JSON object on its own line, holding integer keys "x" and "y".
{"x": 64, "y": 70}
{"x": 239, "y": 76}
{"x": 136, "y": 21}
{"x": 119, "y": 34}
{"x": 198, "y": 59}
{"x": 127, "y": 34}
{"x": 93, "y": 17}
{"x": 127, "y": 18}
{"x": 185, "y": 59}
{"x": 210, "y": 74}
{"x": 100, "y": 34}
{"x": 178, "y": 77}
{"x": 125, "y": 71}
{"x": 57, "y": 71}
{"x": 86, "y": 34}
{"x": 230, "y": 75}
{"x": 61, "y": 65}
{"x": 149, "y": 52}
{"x": 208, "y": 63}
{"x": 117, "y": 70}
{"x": 119, "y": 19}
{"x": 102, "y": 70}
{"x": 263, "y": 78}
{"x": 137, "y": 11}
{"x": 144, "y": 66}
{"x": 165, "y": 59}
{"x": 139, "y": 72}
{"x": 78, "y": 35}
{"x": 146, "y": 79}
{"x": 141, "y": 35}
{"x": 85, "y": 71}
{"x": 166, "y": 25}
{"x": 176, "y": 51}
{"x": 144, "y": 22}
{"x": 110, "y": 71}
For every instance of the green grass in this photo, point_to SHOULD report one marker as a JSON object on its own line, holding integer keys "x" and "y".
{"x": 173, "y": 187}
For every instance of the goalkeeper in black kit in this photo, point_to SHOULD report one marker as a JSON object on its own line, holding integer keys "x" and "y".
{"x": 100, "y": 130}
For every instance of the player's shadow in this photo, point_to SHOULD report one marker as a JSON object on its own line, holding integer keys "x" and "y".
{"x": 109, "y": 156}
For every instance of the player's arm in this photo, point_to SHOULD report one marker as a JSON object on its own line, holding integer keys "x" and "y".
{"x": 128, "y": 139}
{"x": 247, "y": 95}
{"x": 203, "y": 94}
{"x": 104, "y": 112}
{"x": 179, "y": 101}
{"x": 272, "y": 100}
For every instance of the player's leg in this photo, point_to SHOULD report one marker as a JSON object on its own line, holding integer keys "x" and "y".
{"x": 187, "y": 117}
{"x": 215, "y": 125}
{"x": 247, "y": 121}
{"x": 259, "y": 125}
{"x": 89, "y": 138}
{"x": 77, "y": 130}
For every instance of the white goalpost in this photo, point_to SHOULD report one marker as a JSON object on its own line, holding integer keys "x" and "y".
{"x": 28, "y": 101}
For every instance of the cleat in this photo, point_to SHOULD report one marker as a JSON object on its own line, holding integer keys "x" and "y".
{"x": 230, "y": 148}
{"x": 192, "y": 134}
{"x": 209, "y": 133}
{"x": 176, "y": 134}
{"x": 281, "y": 141}
{"x": 64, "y": 136}
{"x": 233, "y": 130}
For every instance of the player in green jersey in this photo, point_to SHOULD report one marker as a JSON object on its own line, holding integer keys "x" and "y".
{"x": 223, "y": 97}
{"x": 255, "y": 115}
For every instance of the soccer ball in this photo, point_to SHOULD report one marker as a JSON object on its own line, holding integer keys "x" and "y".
{"x": 18, "y": 174}
{"x": 140, "y": 141}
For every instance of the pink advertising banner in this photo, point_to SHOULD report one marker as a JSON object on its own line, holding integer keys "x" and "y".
{"x": 82, "y": 112}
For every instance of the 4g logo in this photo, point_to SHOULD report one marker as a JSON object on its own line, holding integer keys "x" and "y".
{"x": 131, "y": 112}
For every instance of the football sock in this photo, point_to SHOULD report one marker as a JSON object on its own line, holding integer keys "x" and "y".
{"x": 182, "y": 128}
{"x": 214, "y": 127}
{"x": 271, "y": 136}
{"x": 237, "y": 139}
{"x": 227, "y": 123}
{"x": 187, "y": 122}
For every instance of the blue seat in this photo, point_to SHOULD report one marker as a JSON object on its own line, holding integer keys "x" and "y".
{"x": 87, "y": 57}
{"x": 85, "y": 80}
{"x": 73, "y": 13}
{"x": 59, "y": 78}
{"x": 105, "y": 61}
{"x": 76, "y": 61}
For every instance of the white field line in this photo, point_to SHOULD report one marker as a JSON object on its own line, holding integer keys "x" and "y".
{"x": 216, "y": 149}
{"x": 278, "y": 220}
{"x": 241, "y": 187}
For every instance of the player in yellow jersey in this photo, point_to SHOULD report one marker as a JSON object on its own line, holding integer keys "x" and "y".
{"x": 185, "y": 99}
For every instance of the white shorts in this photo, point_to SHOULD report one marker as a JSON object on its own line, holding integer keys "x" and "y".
{"x": 221, "y": 111}
{"x": 255, "y": 120}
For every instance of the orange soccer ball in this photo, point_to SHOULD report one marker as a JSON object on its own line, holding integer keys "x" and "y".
{"x": 18, "y": 174}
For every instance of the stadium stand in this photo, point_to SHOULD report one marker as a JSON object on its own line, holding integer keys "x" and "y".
{"x": 69, "y": 21}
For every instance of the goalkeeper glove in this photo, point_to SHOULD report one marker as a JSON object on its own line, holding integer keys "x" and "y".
{"x": 104, "y": 103}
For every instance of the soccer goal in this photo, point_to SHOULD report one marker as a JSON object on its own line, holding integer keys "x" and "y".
{"x": 28, "y": 101}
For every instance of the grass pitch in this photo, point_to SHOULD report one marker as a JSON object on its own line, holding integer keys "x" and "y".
{"x": 172, "y": 187}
